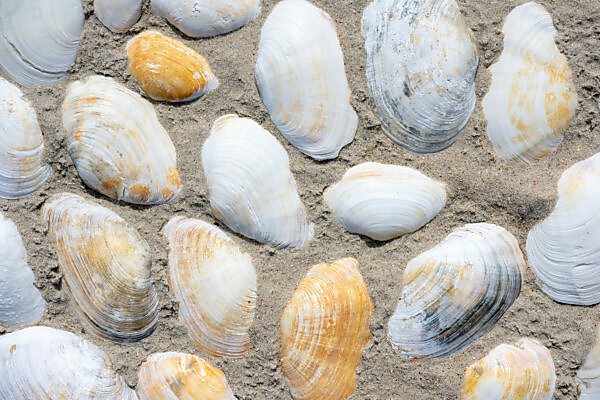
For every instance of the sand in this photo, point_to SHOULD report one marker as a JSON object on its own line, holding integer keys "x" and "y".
{"x": 481, "y": 186}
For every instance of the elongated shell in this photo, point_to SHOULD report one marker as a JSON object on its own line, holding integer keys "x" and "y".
{"x": 118, "y": 15}
{"x": 178, "y": 376}
{"x": 456, "y": 292}
{"x": 421, "y": 65}
{"x": 39, "y": 39}
{"x": 207, "y": 18}
{"x": 523, "y": 371}
{"x": 22, "y": 170}
{"x": 384, "y": 201}
{"x": 117, "y": 144}
{"x": 106, "y": 267}
{"x": 50, "y": 364}
{"x": 588, "y": 376}
{"x": 323, "y": 331}
{"x": 301, "y": 79}
{"x": 532, "y": 97}
{"x": 250, "y": 185}
{"x": 215, "y": 285}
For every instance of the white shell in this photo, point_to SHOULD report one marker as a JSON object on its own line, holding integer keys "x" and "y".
{"x": 250, "y": 185}
{"x": 118, "y": 15}
{"x": 588, "y": 376}
{"x": 421, "y": 65}
{"x": 20, "y": 302}
{"x": 301, "y": 79}
{"x": 39, "y": 39}
{"x": 384, "y": 201}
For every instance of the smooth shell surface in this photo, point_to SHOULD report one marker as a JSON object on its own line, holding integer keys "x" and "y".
{"x": 456, "y": 292}
{"x": 106, "y": 268}
{"x": 384, "y": 201}
{"x": 215, "y": 285}
{"x": 118, "y": 15}
{"x": 41, "y": 363}
{"x": 588, "y": 376}
{"x": 117, "y": 143}
{"x": 421, "y": 66}
{"x": 523, "y": 371}
{"x": 250, "y": 185}
{"x": 532, "y": 97}
{"x": 324, "y": 328}
{"x": 167, "y": 69}
{"x": 301, "y": 79}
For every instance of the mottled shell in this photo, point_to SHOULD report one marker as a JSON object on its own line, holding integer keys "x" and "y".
{"x": 588, "y": 376}
{"x": 106, "y": 268}
{"x": 421, "y": 66}
{"x": 324, "y": 328}
{"x": 178, "y": 376}
{"x": 117, "y": 143}
{"x": 301, "y": 79}
{"x": 167, "y": 69}
{"x": 384, "y": 201}
{"x": 215, "y": 285}
{"x": 250, "y": 185}
{"x": 42, "y": 363}
{"x": 532, "y": 97}
{"x": 118, "y": 15}
{"x": 456, "y": 292}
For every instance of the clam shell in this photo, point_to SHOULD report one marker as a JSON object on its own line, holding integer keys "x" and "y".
{"x": 301, "y": 79}
{"x": 106, "y": 268}
{"x": 251, "y": 188}
{"x": 588, "y": 376}
{"x": 178, "y": 376}
{"x": 117, "y": 144}
{"x": 323, "y": 330}
{"x": 421, "y": 66}
{"x": 39, "y": 39}
{"x": 532, "y": 97}
{"x": 524, "y": 370}
{"x": 50, "y": 364}
{"x": 118, "y": 15}
{"x": 456, "y": 292}
{"x": 167, "y": 69}
{"x": 215, "y": 285}
{"x": 20, "y": 302}
{"x": 22, "y": 170}
{"x": 207, "y": 18}
{"x": 384, "y": 201}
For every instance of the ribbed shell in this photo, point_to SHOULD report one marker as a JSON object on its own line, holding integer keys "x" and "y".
{"x": 588, "y": 376}
{"x": 118, "y": 15}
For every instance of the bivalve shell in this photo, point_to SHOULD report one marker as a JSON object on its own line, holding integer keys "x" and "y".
{"x": 588, "y": 376}
{"x": 118, "y": 15}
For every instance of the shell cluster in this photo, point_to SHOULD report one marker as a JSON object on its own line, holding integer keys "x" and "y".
{"x": 118, "y": 15}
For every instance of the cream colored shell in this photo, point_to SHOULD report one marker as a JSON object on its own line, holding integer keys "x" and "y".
{"x": 588, "y": 376}
{"x": 118, "y": 15}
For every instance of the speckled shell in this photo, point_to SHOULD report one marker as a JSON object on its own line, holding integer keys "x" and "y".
{"x": 178, "y": 376}
{"x": 421, "y": 66}
{"x": 384, "y": 201}
{"x": 588, "y": 376}
{"x": 324, "y": 328}
{"x": 42, "y": 363}
{"x": 215, "y": 285}
{"x": 532, "y": 97}
{"x": 106, "y": 268}
{"x": 456, "y": 292}
{"x": 118, "y": 15}
{"x": 117, "y": 143}
{"x": 167, "y": 69}
{"x": 301, "y": 79}
{"x": 523, "y": 371}
{"x": 250, "y": 185}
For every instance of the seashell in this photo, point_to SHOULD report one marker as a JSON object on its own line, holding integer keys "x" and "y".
{"x": 118, "y": 15}
{"x": 20, "y": 302}
{"x": 51, "y": 364}
{"x": 117, "y": 144}
{"x": 323, "y": 330}
{"x": 456, "y": 292}
{"x": 301, "y": 79}
{"x": 39, "y": 39}
{"x": 106, "y": 268}
{"x": 251, "y": 188}
{"x": 167, "y": 69}
{"x": 532, "y": 97}
{"x": 563, "y": 249}
{"x": 588, "y": 376}
{"x": 524, "y": 370}
{"x": 22, "y": 170}
{"x": 173, "y": 376}
{"x": 421, "y": 66}
{"x": 207, "y": 18}
{"x": 215, "y": 285}
{"x": 385, "y": 201}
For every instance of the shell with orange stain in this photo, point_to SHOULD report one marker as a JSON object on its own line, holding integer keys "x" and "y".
{"x": 118, "y": 15}
{"x": 588, "y": 376}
